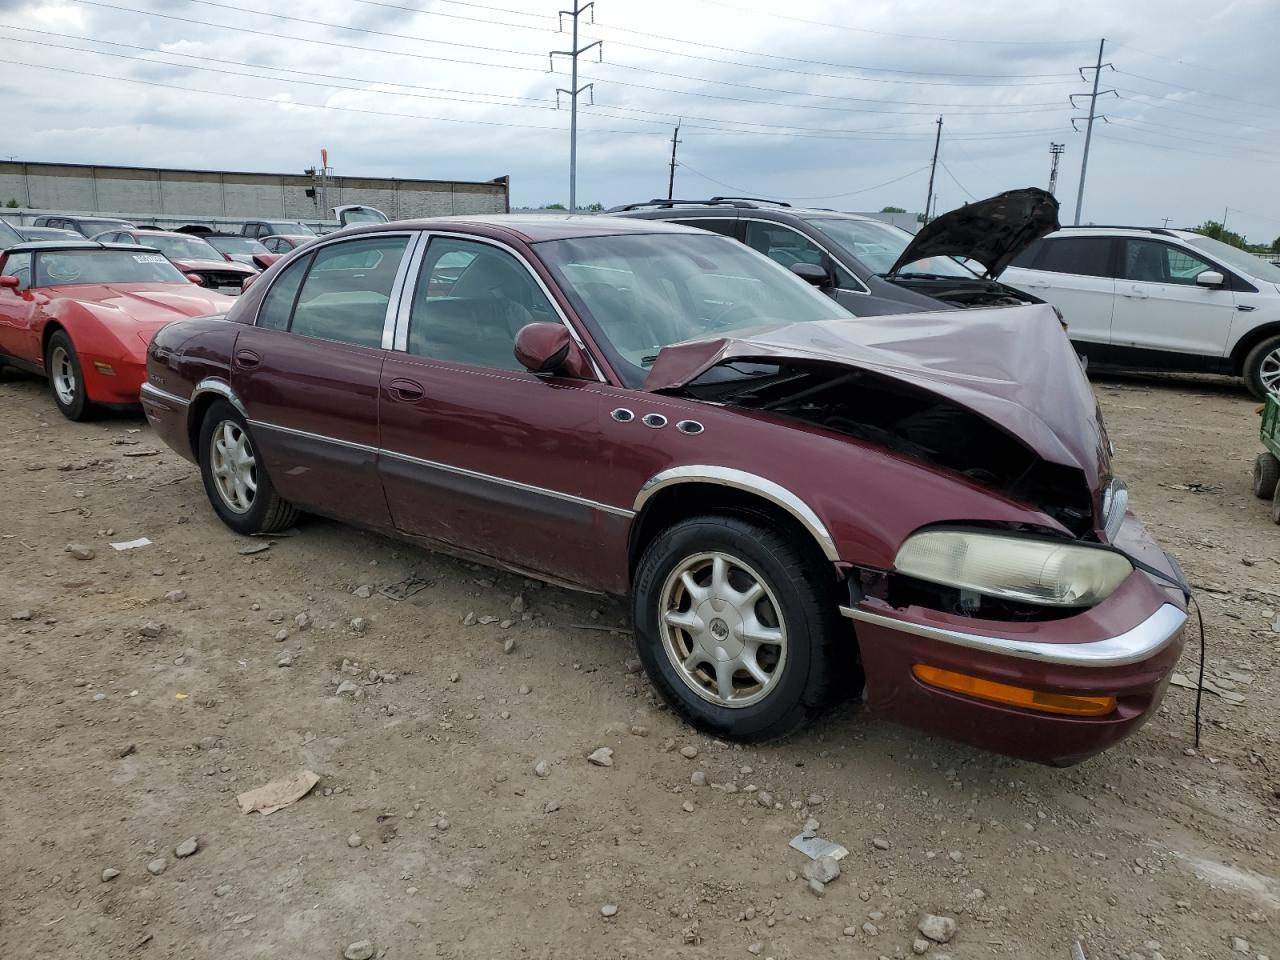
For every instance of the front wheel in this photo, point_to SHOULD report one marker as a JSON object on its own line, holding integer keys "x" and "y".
{"x": 62, "y": 364}
{"x": 737, "y": 626}
{"x": 235, "y": 479}
{"x": 1266, "y": 475}
{"x": 1262, "y": 368}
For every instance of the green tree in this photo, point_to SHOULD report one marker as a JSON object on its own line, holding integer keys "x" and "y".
{"x": 1275, "y": 245}
{"x": 1215, "y": 230}
{"x": 552, "y": 206}
{"x": 893, "y": 209}
{"x": 594, "y": 207}
{"x": 13, "y": 203}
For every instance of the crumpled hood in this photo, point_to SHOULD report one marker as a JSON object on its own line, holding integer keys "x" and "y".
{"x": 212, "y": 266}
{"x": 1013, "y": 366}
{"x": 991, "y": 232}
{"x": 152, "y": 303}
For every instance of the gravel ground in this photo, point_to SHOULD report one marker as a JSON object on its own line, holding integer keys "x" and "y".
{"x": 456, "y": 813}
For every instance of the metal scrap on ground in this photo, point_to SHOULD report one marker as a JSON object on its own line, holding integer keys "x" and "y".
{"x": 404, "y": 589}
{"x": 814, "y": 846}
{"x": 131, "y": 544}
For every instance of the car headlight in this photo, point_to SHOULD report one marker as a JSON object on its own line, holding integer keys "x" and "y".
{"x": 1015, "y": 568}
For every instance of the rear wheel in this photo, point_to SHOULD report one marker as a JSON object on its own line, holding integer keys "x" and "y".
{"x": 1262, "y": 368}
{"x": 737, "y": 626}
{"x": 234, "y": 479}
{"x": 1266, "y": 474}
{"x": 1275, "y": 506}
{"x": 62, "y": 366}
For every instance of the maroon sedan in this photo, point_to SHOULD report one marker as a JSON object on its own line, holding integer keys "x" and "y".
{"x": 801, "y": 505}
{"x": 191, "y": 255}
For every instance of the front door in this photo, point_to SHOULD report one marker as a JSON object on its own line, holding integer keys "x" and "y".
{"x": 308, "y": 374}
{"x": 478, "y": 453}
{"x": 19, "y": 311}
{"x": 1159, "y": 305}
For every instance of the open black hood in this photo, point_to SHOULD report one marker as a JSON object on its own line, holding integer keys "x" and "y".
{"x": 991, "y": 232}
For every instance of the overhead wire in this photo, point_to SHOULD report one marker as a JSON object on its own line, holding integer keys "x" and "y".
{"x": 742, "y": 191}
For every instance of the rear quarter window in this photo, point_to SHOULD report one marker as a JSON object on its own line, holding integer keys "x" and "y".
{"x": 1082, "y": 256}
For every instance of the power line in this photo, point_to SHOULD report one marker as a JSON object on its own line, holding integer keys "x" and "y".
{"x": 886, "y": 33}
{"x": 1126, "y": 94}
{"x": 1204, "y": 93}
{"x": 743, "y": 191}
{"x": 1178, "y": 135}
{"x": 1111, "y": 136}
{"x": 962, "y": 187}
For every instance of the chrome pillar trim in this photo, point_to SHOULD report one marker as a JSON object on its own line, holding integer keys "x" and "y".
{"x": 741, "y": 480}
{"x": 1133, "y": 646}
{"x": 514, "y": 484}
{"x": 156, "y": 395}
{"x": 222, "y": 389}
{"x": 391, "y": 322}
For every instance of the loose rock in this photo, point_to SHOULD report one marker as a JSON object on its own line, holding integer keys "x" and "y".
{"x": 818, "y": 888}
{"x": 609, "y": 910}
{"x": 824, "y": 869}
{"x": 938, "y": 929}
{"x": 602, "y": 757}
{"x": 360, "y": 950}
{"x": 186, "y": 848}
{"x": 109, "y": 874}
{"x": 880, "y": 843}
{"x": 509, "y": 645}
{"x": 698, "y": 778}
{"x": 285, "y": 659}
{"x": 348, "y": 689}
{"x": 1240, "y": 944}
{"x": 176, "y": 596}
{"x": 151, "y": 629}
{"x": 688, "y": 752}
{"x": 354, "y": 840}
{"x": 542, "y": 769}
{"x": 870, "y": 929}
{"x": 156, "y": 866}
{"x": 302, "y": 621}
{"x": 359, "y": 624}
{"x": 223, "y": 889}
{"x": 687, "y": 806}
{"x": 920, "y": 945}
{"x": 80, "y": 551}
{"x": 364, "y": 591}
{"x": 21, "y": 615}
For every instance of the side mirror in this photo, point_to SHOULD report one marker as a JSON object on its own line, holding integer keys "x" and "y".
{"x": 196, "y": 279}
{"x": 811, "y": 273}
{"x": 1210, "y": 278}
{"x": 11, "y": 282}
{"x": 547, "y": 348}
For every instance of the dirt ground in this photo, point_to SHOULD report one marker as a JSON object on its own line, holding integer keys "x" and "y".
{"x": 430, "y": 834}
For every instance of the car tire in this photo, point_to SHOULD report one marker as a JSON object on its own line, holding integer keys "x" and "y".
{"x": 235, "y": 480}
{"x": 794, "y": 680}
{"x": 66, "y": 380}
{"x": 1266, "y": 475}
{"x": 1275, "y": 506}
{"x": 1262, "y": 368}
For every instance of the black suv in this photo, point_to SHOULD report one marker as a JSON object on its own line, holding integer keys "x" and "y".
{"x": 871, "y": 267}
{"x": 85, "y": 226}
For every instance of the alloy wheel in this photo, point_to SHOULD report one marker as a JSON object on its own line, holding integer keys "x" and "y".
{"x": 1269, "y": 372}
{"x": 722, "y": 629}
{"x": 234, "y": 466}
{"x": 62, "y": 373}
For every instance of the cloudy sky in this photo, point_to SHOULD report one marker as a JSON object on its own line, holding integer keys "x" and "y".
{"x": 822, "y": 101}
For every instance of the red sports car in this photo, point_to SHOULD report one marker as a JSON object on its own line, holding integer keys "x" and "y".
{"x": 802, "y": 505}
{"x": 82, "y": 313}
{"x": 191, "y": 255}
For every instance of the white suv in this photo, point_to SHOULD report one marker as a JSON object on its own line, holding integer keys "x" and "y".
{"x": 1158, "y": 299}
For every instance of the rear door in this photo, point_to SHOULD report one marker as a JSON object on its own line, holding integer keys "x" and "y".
{"x": 478, "y": 453}
{"x": 1160, "y": 307}
{"x": 1077, "y": 275}
{"x": 308, "y": 373}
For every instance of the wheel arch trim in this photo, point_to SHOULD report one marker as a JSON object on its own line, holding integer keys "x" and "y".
{"x": 762, "y": 487}
{"x": 222, "y": 389}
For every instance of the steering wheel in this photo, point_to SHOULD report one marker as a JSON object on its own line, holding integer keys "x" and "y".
{"x": 732, "y": 314}
{"x": 63, "y": 269}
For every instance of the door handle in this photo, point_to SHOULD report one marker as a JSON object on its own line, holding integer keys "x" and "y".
{"x": 407, "y": 390}
{"x": 1136, "y": 294}
{"x": 1037, "y": 286}
{"x": 247, "y": 358}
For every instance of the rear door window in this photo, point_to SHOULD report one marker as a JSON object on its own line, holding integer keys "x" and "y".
{"x": 1083, "y": 256}
{"x": 348, "y": 289}
{"x": 782, "y": 244}
{"x": 277, "y": 305}
{"x": 721, "y": 225}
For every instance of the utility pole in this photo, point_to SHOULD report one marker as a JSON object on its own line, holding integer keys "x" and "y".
{"x": 928, "y": 200}
{"x": 1088, "y": 132}
{"x": 1055, "y": 152}
{"x": 671, "y": 177}
{"x": 573, "y": 91}
{"x": 1225, "y": 211}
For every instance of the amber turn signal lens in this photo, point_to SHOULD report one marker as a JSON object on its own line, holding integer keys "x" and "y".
{"x": 1005, "y": 693}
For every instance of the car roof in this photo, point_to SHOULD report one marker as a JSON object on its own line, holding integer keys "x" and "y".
{"x": 45, "y": 246}
{"x": 151, "y": 232}
{"x": 531, "y": 228}
{"x": 1101, "y": 229}
{"x": 684, "y": 209}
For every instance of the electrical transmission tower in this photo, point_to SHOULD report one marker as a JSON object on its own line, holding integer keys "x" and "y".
{"x": 1055, "y": 152}
{"x": 1093, "y": 115}
{"x": 573, "y": 91}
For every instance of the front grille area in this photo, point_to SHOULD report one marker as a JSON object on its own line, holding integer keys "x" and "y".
{"x": 222, "y": 278}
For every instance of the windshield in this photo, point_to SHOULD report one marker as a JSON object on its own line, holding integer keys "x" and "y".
{"x": 103, "y": 266}
{"x": 363, "y": 215}
{"x": 290, "y": 228}
{"x": 1238, "y": 259}
{"x": 180, "y": 248}
{"x": 878, "y": 246}
{"x": 642, "y": 293}
{"x": 236, "y": 245}
{"x": 8, "y": 235}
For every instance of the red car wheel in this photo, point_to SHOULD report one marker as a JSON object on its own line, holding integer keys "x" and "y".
{"x": 62, "y": 365}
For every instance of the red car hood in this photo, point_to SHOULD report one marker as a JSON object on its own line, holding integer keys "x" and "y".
{"x": 144, "y": 303}
{"x": 222, "y": 266}
{"x": 1014, "y": 366}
